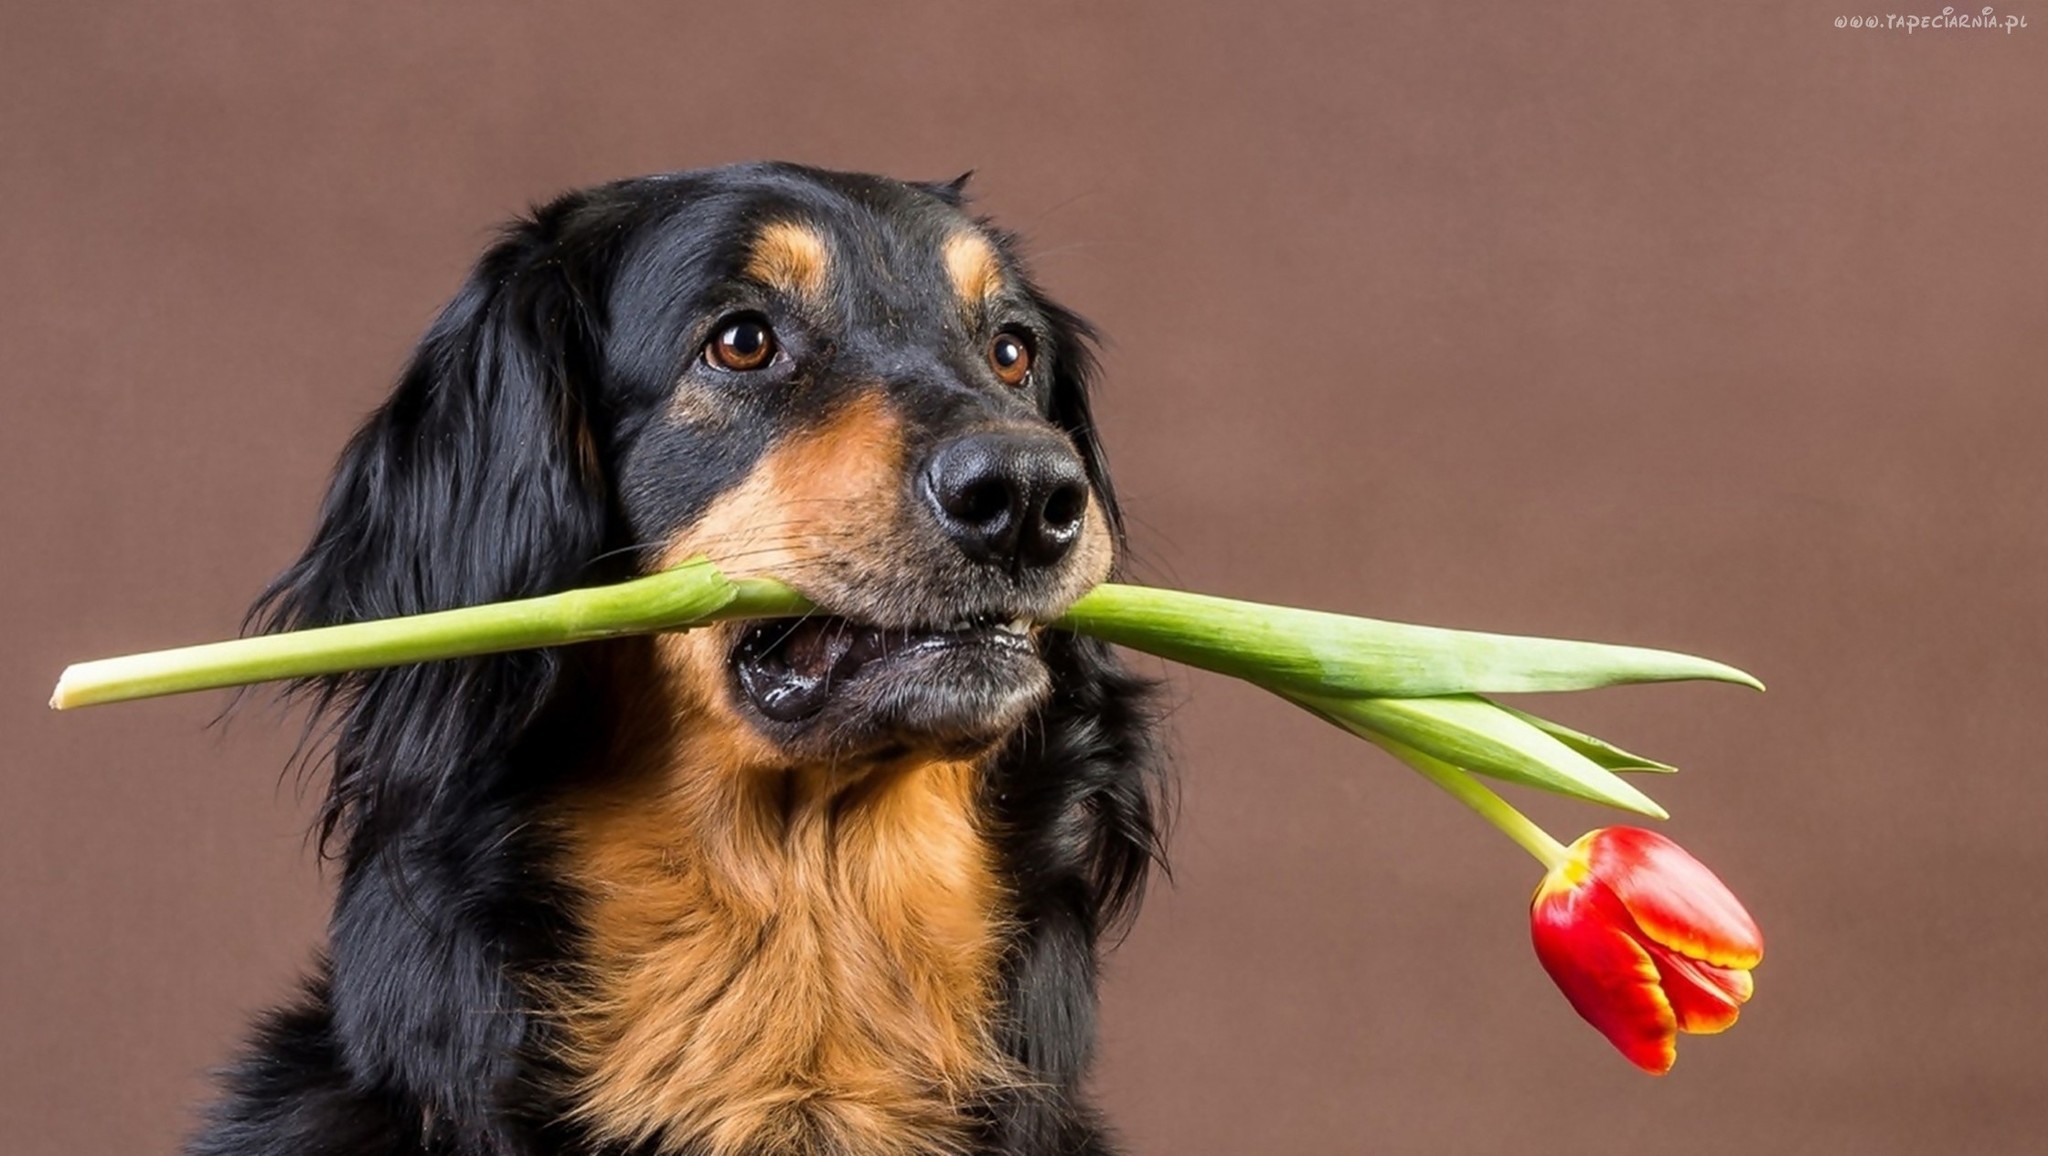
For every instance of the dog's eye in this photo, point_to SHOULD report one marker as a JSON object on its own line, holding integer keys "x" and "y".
{"x": 741, "y": 345}
{"x": 1010, "y": 357}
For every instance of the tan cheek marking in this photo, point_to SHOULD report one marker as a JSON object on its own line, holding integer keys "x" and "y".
{"x": 792, "y": 258}
{"x": 817, "y": 496}
{"x": 1095, "y": 553}
{"x": 972, "y": 267}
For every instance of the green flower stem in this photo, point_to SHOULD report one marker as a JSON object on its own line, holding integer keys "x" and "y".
{"x": 691, "y": 594}
{"x": 763, "y": 598}
{"x": 1491, "y": 807}
{"x": 1337, "y": 654}
{"x": 1409, "y": 689}
{"x": 1294, "y": 652}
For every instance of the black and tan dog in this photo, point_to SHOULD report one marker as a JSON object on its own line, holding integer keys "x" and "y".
{"x": 830, "y": 886}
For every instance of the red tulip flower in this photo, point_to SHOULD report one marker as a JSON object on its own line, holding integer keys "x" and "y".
{"x": 1644, "y": 941}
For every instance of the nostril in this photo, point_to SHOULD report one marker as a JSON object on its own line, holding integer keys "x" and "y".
{"x": 980, "y": 502}
{"x": 1064, "y": 506}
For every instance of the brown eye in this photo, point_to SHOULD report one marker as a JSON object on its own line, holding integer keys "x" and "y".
{"x": 741, "y": 345}
{"x": 1010, "y": 358}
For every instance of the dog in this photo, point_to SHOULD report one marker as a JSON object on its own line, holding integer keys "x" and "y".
{"x": 834, "y": 885}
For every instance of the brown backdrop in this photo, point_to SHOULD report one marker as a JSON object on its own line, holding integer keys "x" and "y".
{"x": 1709, "y": 326}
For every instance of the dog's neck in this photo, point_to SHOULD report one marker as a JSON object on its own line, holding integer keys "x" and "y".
{"x": 788, "y": 959}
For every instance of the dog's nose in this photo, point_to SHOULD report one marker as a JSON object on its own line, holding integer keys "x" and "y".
{"x": 1012, "y": 499}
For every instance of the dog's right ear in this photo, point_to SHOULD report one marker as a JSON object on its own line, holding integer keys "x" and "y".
{"x": 478, "y": 480}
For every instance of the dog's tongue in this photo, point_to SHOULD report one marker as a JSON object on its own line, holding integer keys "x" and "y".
{"x": 815, "y": 646}
{"x": 789, "y": 668}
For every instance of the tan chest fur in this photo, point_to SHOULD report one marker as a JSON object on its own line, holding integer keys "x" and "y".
{"x": 791, "y": 961}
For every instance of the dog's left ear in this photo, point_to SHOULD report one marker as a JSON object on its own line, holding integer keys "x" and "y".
{"x": 1085, "y": 793}
{"x": 953, "y": 192}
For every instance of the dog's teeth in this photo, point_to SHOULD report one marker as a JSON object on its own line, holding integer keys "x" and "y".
{"x": 1018, "y": 626}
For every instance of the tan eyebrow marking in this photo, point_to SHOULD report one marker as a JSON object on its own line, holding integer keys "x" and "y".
{"x": 972, "y": 266}
{"x": 791, "y": 257}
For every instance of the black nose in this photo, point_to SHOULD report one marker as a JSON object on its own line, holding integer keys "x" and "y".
{"x": 1016, "y": 500}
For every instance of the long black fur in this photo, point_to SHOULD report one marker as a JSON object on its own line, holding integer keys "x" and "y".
{"x": 492, "y": 473}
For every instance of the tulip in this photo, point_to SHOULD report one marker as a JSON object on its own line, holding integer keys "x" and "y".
{"x": 1644, "y": 941}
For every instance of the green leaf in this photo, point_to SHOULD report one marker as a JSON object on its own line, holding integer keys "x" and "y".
{"x": 1599, "y": 750}
{"x": 1473, "y": 734}
{"x": 1312, "y": 652}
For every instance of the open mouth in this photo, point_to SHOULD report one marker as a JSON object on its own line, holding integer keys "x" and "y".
{"x": 795, "y": 671}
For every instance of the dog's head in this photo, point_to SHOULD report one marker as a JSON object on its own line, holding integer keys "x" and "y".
{"x": 849, "y": 384}
{"x": 842, "y": 381}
